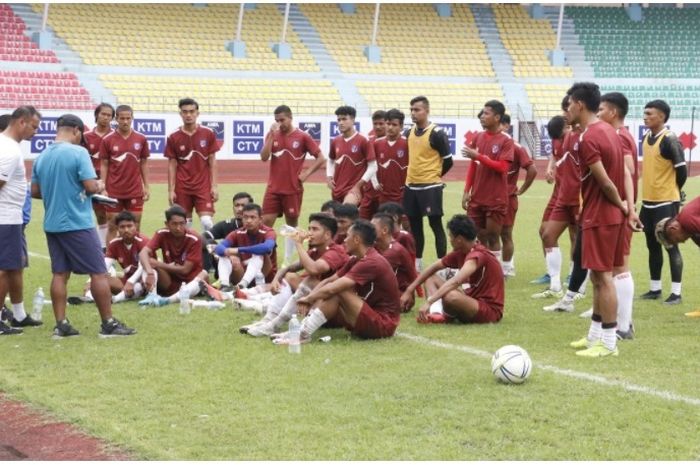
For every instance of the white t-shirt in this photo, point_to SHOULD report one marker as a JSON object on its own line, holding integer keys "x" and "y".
{"x": 12, "y": 171}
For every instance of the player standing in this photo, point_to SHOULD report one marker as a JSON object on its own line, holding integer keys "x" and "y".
{"x": 370, "y": 196}
{"x": 392, "y": 160}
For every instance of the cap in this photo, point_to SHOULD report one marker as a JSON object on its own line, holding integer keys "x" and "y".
{"x": 660, "y": 232}
{"x": 71, "y": 121}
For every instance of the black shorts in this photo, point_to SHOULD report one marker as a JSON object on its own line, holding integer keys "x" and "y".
{"x": 425, "y": 200}
{"x": 650, "y": 216}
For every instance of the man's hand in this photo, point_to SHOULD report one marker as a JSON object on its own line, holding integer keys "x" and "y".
{"x": 549, "y": 176}
{"x": 468, "y": 152}
{"x": 231, "y": 251}
{"x": 406, "y": 301}
{"x": 128, "y": 289}
{"x": 303, "y": 306}
{"x": 465, "y": 200}
{"x": 154, "y": 263}
{"x": 274, "y": 127}
{"x": 150, "y": 280}
{"x": 330, "y": 183}
{"x": 171, "y": 197}
{"x": 303, "y": 176}
{"x": 423, "y": 312}
{"x": 300, "y": 235}
{"x": 275, "y": 287}
{"x": 214, "y": 193}
{"x": 146, "y": 194}
{"x": 634, "y": 222}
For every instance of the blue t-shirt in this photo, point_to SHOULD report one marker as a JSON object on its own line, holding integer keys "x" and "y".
{"x": 60, "y": 171}
{"x": 27, "y": 209}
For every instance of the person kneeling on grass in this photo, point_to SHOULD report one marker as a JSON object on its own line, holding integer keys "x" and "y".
{"x": 482, "y": 301}
{"x": 181, "y": 249}
{"x": 320, "y": 261}
{"x": 363, "y": 295}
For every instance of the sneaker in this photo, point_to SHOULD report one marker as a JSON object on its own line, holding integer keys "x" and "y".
{"x": 244, "y": 304}
{"x": 673, "y": 299}
{"x": 587, "y": 314}
{"x": 115, "y": 328}
{"x": 79, "y": 300}
{"x": 693, "y": 314}
{"x": 596, "y": 351}
{"x": 226, "y": 288}
{"x": 561, "y": 306}
{"x": 6, "y": 315}
{"x": 210, "y": 292}
{"x": 582, "y": 343}
{"x": 626, "y": 335}
{"x": 154, "y": 300}
{"x": 579, "y": 296}
{"x": 547, "y": 293}
{"x": 434, "y": 318}
{"x": 266, "y": 329}
{"x": 245, "y": 328}
{"x": 650, "y": 295}
{"x": 28, "y": 321}
{"x": 544, "y": 279}
{"x": 509, "y": 272}
{"x": 6, "y": 330}
{"x": 64, "y": 329}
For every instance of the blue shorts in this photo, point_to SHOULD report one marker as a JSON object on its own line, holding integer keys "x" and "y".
{"x": 76, "y": 251}
{"x": 13, "y": 252}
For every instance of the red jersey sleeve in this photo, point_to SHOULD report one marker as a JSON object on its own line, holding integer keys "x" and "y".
{"x": 270, "y": 235}
{"x": 331, "y": 150}
{"x": 213, "y": 144}
{"x": 589, "y": 150}
{"x": 311, "y": 146}
{"x": 523, "y": 158}
{"x": 627, "y": 148}
{"x": 362, "y": 273}
{"x": 194, "y": 252}
{"x": 103, "y": 151}
{"x": 368, "y": 148}
{"x": 111, "y": 251}
{"x": 232, "y": 238}
{"x": 335, "y": 259}
{"x": 453, "y": 260}
{"x": 154, "y": 244}
{"x": 145, "y": 151}
{"x": 507, "y": 150}
{"x": 169, "y": 152}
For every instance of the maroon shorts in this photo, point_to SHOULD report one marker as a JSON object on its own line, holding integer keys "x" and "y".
{"x": 98, "y": 208}
{"x": 201, "y": 202}
{"x": 369, "y": 204}
{"x": 372, "y": 324}
{"x": 549, "y": 208}
{"x": 385, "y": 197}
{"x": 134, "y": 205}
{"x": 479, "y": 214}
{"x": 602, "y": 247}
{"x": 282, "y": 204}
{"x": 511, "y": 211}
{"x": 565, "y": 213}
{"x": 626, "y": 239}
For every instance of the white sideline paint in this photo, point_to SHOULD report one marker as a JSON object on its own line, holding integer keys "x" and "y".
{"x": 666, "y": 395}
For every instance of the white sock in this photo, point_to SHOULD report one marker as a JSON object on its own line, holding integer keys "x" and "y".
{"x": 569, "y": 296}
{"x": 289, "y": 248}
{"x": 654, "y": 285}
{"x": 279, "y": 301}
{"x": 582, "y": 289}
{"x": 571, "y": 268}
{"x": 624, "y": 288}
{"x": 595, "y": 331}
{"x": 225, "y": 268}
{"x": 290, "y": 308}
{"x": 553, "y": 259}
{"x": 419, "y": 265}
{"x": 499, "y": 256}
{"x": 609, "y": 337}
{"x": 508, "y": 265}
{"x": 121, "y": 297}
{"x": 139, "y": 289}
{"x": 188, "y": 225}
{"x": 207, "y": 222}
{"x": 676, "y": 288}
{"x": 192, "y": 290}
{"x": 102, "y": 230}
{"x": 88, "y": 294}
{"x": 253, "y": 267}
{"x": 314, "y": 320}
{"x": 436, "y": 307}
{"x": 18, "y": 311}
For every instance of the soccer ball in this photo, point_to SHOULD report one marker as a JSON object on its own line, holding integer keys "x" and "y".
{"x": 511, "y": 364}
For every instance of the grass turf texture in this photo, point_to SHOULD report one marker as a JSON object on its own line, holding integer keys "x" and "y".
{"x": 192, "y": 387}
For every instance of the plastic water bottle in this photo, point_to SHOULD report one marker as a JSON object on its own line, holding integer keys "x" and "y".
{"x": 184, "y": 297}
{"x": 294, "y": 335}
{"x": 287, "y": 230}
{"x": 211, "y": 305}
{"x": 38, "y": 304}
{"x": 259, "y": 279}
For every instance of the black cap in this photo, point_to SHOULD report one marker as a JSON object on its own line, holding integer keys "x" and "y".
{"x": 71, "y": 121}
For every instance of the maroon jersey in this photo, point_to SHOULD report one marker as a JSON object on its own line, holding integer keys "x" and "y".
{"x": 375, "y": 282}
{"x": 124, "y": 155}
{"x": 401, "y": 262}
{"x": 486, "y": 283}
{"x": 629, "y": 148}
{"x": 334, "y": 255}
{"x": 242, "y": 238}
{"x": 392, "y": 163}
{"x": 689, "y": 219}
{"x": 179, "y": 250}
{"x": 521, "y": 159}
{"x": 600, "y": 142}
{"x": 126, "y": 255}
{"x": 489, "y": 186}
{"x": 351, "y": 157}
{"x": 454, "y": 259}
{"x": 93, "y": 142}
{"x": 569, "y": 171}
{"x": 192, "y": 153}
{"x": 405, "y": 238}
{"x": 287, "y": 160}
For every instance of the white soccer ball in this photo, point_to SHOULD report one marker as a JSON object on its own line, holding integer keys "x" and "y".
{"x": 511, "y": 364}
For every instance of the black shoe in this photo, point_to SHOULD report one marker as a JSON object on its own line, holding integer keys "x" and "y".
{"x": 79, "y": 300}
{"x": 64, "y": 329}
{"x": 227, "y": 288}
{"x": 673, "y": 299}
{"x": 626, "y": 335}
{"x": 651, "y": 295}
{"x": 28, "y": 321}
{"x": 6, "y": 314}
{"x": 8, "y": 331}
{"x": 115, "y": 328}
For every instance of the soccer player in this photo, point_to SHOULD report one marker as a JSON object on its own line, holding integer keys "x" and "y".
{"x": 104, "y": 115}
{"x": 403, "y": 237}
{"x": 191, "y": 153}
{"x": 248, "y": 252}
{"x": 351, "y": 162}
{"x": 483, "y": 300}
{"x": 602, "y": 216}
{"x": 401, "y": 261}
{"x": 370, "y": 195}
{"x": 345, "y": 215}
{"x": 64, "y": 178}
{"x": 429, "y": 160}
{"x": 181, "y": 263}
{"x": 124, "y": 154}
{"x": 363, "y": 295}
{"x": 379, "y": 121}
{"x": 664, "y": 173}
{"x": 329, "y": 207}
{"x": 286, "y": 146}
{"x": 486, "y": 189}
{"x": 21, "y": 125}
{"x": 223, "y": 228}
{"x": 392, "y": 160}
{"x": 322, "y": 259}
{"x": 521, "y": 160}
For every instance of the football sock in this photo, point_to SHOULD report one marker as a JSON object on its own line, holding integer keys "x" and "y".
{"x": 102, "y": 234}
{"x": 253, "y": 267}
{"x": 655, "y": 285}
{"x": 121, "y": 297}
{"x": 595, "y": 331}
{"x": 624, "y": 288}
{"x": 419, "y": 265}
{"x": 582, "y": 287}
{"x": 207, "y": 222}
{"x": 569, "y": 296}
{"x": 676, "y": 288}
{"x": 553, "y": 259}
{"x": 225, "y": 267}
{"x": 608, "y": 335}
{"x": 675, "y": 263}
{"x": 279, "y": 301}
{"x": 436, "y": 307}
{"x": 417, "y": 231}
{"x": 18, "y": 311}
{"x": 314, "y": 320}
{"x": 189, "y": 223}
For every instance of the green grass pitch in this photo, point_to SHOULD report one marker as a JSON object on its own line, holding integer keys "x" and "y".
{"x": 193, "y": 388}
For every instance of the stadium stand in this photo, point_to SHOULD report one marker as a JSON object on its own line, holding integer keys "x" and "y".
{"x": 44, "y": 89}
{"x": 15, "y": 45}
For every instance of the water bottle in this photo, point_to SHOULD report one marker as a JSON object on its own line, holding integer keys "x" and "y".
{"x": 211, "y": 305}
{"x": 184, "y": 297}
{"x": 38, "y": 304}
{"x": 287, "y": 230}
{"x": 259, "y": 279}
{"x": 294, "y": 335}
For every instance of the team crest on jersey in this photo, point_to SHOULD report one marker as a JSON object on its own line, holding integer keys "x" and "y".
{"x": 400, "y": 153}
{"x": 115, "y": 148}
{"x": 354, "y": 149}
{"x": 137, "y": 146}
{"x": 576, "y": 146}
{"x": 295, "y": 144}
{"x": 202, "y": 143}
{"x": 182, "y": 148}
{"x": 275, "y": 144}
{"x": 92, "y": 146}
{"x": 381, "y": 155}
{"x": 495, "y": 149}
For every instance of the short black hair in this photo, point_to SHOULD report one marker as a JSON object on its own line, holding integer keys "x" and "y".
{"x": 252, "y": 206}
{"x": 565, "y": 103}
{"x": 330, "y": 205}
{"x": 25, "y": 111}
{"x": 366, "y": 231}
{"x": 346, "y": 210}
{"x": 325, "y": 220}
{"x": 497, "y": 107}
{"x": 283, "y": 109}
{"x": 420, "y": 98}
{"x": 395, "y": 113}
{"x": 379, "y": 114}
{"x": 586, "y": 92}
{"x": 480, "y": 114}
{"x": 243, "y": 195}
{"x": 175, "y": 210}
{"x": 102, "y": 105}
{"x": 462, "y": 225}
{"x": 392, "y": 208}
{"x": 662, "y": 106}
{"x": 124, "y": 216}
{"x": 4, "y": 121}
{"x": 122, "y": 108}
{"x": 346, "y": 110}
{"x": 555, "y": 127}
{"x": 385, "y": 219}
{"x": 187, "y": 101}
{"x": 618, "y": 100}
{"x": 505, "y": 119}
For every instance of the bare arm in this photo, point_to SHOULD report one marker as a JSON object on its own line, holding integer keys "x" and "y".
{"x": 330, "y": 289}
{"x": 36, "y": 191}
{"x": 104, "y": 169}
{"x": 144, "y": 178}
{"x": 267, "y": 146}
{"x": 315, "y": 166}
{"x": 607, "y": 186}
{"x": 172, "y": 172}
{"x": 530, "y": 175}
{"x": 214, "y": 178}
{"x": 93, "y": 186}
{"x": 451, "y": 284}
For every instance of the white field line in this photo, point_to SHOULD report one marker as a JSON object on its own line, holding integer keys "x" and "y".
{"x": 665, "y": 395}
{"x": 38, "y": 255}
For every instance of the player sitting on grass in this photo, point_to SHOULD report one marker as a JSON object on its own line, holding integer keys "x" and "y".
{"x": 482, "y": 302}
{"x": 398, "y": 257}
{"x": 181, "y": 250}
{"x": 345, "y": 215}
{"x": 223, "y": 229}
{"x": 363, "y": 295}
{"x": 320, "y": 261}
